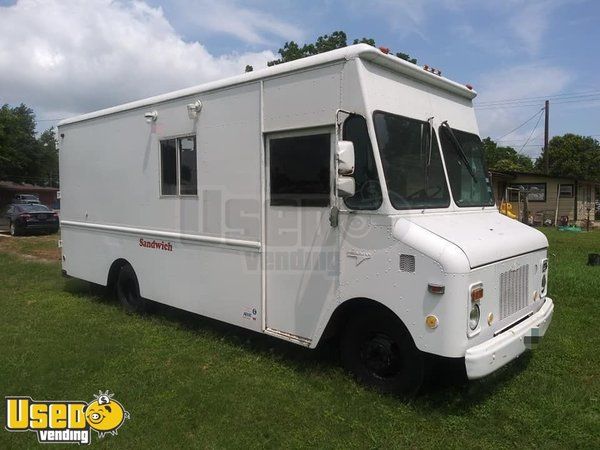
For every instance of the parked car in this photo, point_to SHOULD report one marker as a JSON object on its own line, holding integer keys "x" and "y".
{"x": 28, "y": 199}
{"x": 29, "y": 218}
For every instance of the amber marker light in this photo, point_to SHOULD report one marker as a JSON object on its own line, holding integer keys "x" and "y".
{"x": 436, "y": 288}
{"x": 432, "y": 321}
{"x": 476, "y": 293}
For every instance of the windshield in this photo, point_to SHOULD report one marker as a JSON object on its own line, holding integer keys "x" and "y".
{"x": 411, "y": 160}
{"x": 470, "y": 184}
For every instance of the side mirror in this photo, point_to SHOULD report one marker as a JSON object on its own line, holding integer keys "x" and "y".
{"x": 345, "y": 157}
{"x": 346, "y": 186}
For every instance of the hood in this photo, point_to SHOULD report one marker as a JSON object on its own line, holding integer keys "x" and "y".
{"x": 484, "y": 237}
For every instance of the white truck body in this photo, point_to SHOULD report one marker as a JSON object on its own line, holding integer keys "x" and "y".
{"x": 237, "y": 252}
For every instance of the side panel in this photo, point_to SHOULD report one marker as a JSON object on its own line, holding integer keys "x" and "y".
{"x": 302, "y": 100}
{"x": 110, "y": 176}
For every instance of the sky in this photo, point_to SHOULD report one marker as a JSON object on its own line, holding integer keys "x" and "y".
{"x": 66, "y": 57}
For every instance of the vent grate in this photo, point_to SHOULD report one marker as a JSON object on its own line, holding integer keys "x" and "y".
{"x": 407, "y": 263}
{"x": 514, "y": 286}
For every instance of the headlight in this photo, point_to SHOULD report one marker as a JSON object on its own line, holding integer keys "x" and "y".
{"x": 544, "y": 281}
{"x": 474, "y": 316}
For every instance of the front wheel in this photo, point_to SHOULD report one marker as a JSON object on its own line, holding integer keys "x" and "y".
{"x": 128, "y": 291}
{"x": 378, "y": 350}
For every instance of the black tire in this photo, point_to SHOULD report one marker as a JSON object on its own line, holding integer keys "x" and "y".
{"x": 378, "y": 350}
{"x": 14, "y": 231}
{"x": 128, "y": 291}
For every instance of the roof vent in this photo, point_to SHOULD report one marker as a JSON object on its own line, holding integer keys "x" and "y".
{"x": 407, "y": 263}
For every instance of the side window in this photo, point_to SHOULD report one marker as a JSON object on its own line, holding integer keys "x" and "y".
{"x": 368, "y": 190}
{"x": 178, "y": 171}
{"x": 300, "y": 170}
{"x": 188, "y": 178}
{"x": 168, "y": 167}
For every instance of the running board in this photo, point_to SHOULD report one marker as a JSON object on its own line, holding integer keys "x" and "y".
{"x": 289, "y": 337}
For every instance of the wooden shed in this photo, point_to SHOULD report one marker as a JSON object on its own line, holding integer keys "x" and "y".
{"x": 545, "y": 194}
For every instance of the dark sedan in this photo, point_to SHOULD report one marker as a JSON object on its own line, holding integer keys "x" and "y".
{"x": 24, "y": 219}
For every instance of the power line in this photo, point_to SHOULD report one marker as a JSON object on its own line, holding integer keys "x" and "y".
{"x": 524, "y": 123}
{"x": 536, "y": 104}
{"x": 533, "y": 131}
{"x": 543, "y": 97}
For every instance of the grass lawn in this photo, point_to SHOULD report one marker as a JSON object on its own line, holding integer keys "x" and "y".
{"x": 192, "y": 382}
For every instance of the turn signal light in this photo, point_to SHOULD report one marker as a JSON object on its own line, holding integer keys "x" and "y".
{"x": 436, "y": 288}
{"x": 476, "y": 293}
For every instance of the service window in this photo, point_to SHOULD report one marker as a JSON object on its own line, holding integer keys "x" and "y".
{"x": 300, "y": 170}
{"x": 178, "y": 170}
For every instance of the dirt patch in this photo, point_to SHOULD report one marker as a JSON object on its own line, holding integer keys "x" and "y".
{"x": 41, "y": 248}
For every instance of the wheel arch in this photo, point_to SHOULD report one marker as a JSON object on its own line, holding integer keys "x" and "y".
{"x": 113, "y": 272}
{"x": 349, "y": 308}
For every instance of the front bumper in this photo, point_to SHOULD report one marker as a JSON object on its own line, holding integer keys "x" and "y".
{"x": 47, "y": 226}
{"x": 490, "y": 355}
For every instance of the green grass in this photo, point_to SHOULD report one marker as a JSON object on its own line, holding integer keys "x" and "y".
{"x": 192, "y": 382}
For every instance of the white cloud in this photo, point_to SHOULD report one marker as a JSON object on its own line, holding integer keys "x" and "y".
{"x": 229, "y": 17}
{"x": 530, "y": 23}
{"x": 67, "y": 57}
{"x": 518, "y": 82}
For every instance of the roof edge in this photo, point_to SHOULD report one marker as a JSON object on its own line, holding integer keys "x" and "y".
{"x": 365, "y": 51}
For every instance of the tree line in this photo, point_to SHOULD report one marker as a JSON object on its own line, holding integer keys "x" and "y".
{"x": 570, "y": 155}
{"x": 25, "y": 156}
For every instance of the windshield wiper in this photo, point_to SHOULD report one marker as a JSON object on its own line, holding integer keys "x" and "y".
{"x": 428, "y": 165}
{"x": 459, "y": 150}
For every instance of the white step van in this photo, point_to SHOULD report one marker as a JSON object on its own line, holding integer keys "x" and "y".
{"x": 342, "y": 194}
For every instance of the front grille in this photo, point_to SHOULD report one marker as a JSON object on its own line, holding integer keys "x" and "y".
{"x": 514, "y": 288}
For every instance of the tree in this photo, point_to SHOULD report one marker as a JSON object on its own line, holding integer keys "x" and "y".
{"x": 24, "y": 157}
{"x": 505, "y": 159}
{"x": 338, "y": 39}
{"x": 48, "y": 158}
{"x": 574, "y": 156}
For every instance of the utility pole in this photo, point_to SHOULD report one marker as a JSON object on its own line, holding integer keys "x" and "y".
{"x": 546, "y": 156}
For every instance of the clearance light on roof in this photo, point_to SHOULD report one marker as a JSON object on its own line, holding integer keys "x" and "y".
{"x": 469, "y": 87}
{"x": 433, "y": 70}
{"x": 384, "y": 50}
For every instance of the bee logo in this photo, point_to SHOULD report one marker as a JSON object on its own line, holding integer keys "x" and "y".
{"x": 105, "y": 415}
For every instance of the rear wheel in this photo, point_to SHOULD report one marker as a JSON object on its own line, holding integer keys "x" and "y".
{"x": 379, "y": 351}
{"x": 128, "y": 291}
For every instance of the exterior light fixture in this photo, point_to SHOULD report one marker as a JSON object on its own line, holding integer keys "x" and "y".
{"x": 194, "y": 108}
{"x": 151, "y": 116}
